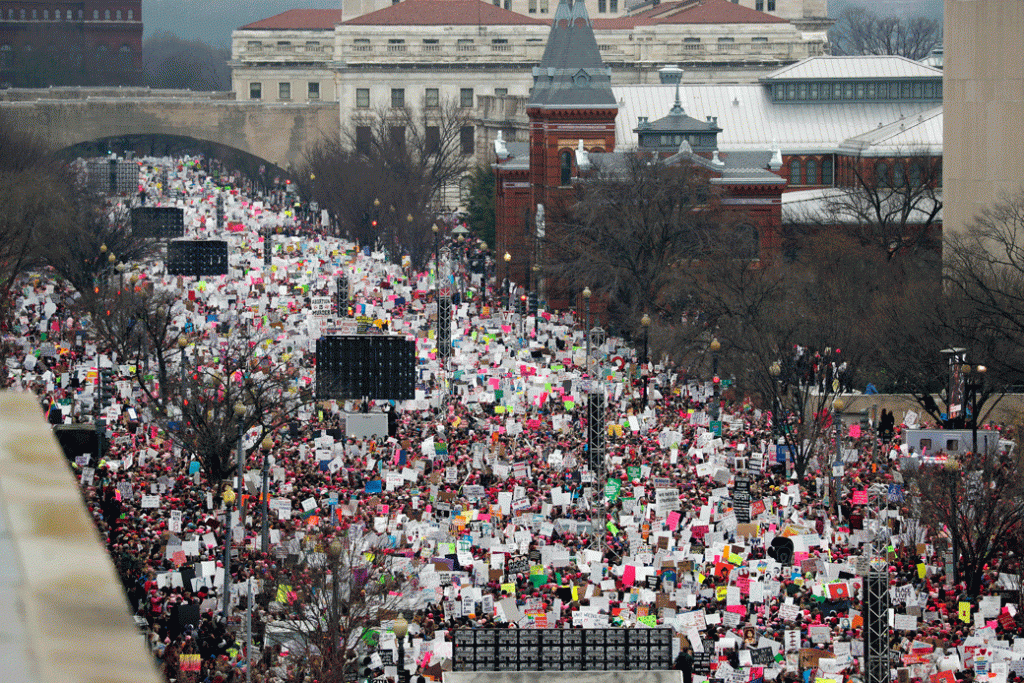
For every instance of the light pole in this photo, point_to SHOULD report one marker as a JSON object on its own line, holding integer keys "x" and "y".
{"x": 401, "y": 628}
{"x": 334, "y": 552}
{"x": 976, "y": 384}
{"x": 645, "y": 322}
{"x": 182, "y": 344}
{"x": 837, "y": 411}
{"x": 265, "y": 537}
{"x": 715, "y": 347}
{"x": 239, "y": 411}
{"x": 436, "y": 229}
{"x": 508, "y": 260}
{"x": 586, "y": 305}
{"x": 229, "y": 500}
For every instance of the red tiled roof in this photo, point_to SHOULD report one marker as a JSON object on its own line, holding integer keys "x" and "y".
{"x": 445, "y": 13}
{"x": 298, "y": 19}
{"x": 684, "y": 12}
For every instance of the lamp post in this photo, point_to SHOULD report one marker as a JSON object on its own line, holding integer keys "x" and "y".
{"x": 239, "y": 411}
{"x": 436, "y": 229}
{"x": 229, "y": 500}
{"x": 401, "y": 628}
{"x": 645, "y": 322}
{"x": 976, "y": 384}
{"x": 715, "y": 347}
{"x": 508, "y": 260}
{"x": 586, "y": 304}
{"x": 837, "y": 411}
{"x": 182, "y": 344}
{"x": 775, "y": 370}
{"x": 334, "y": 552}
{"x": 265, "y": 504}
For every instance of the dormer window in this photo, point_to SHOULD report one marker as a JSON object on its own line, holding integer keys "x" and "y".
{"x": 581, "y": 78}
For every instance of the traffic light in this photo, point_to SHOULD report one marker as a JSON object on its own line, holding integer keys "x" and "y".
{"x": 534, "y": 304}
{"x": 522, "y": 305}
{"x": 366, "y": 669}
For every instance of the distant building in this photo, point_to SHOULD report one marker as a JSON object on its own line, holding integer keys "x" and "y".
{"x": 98, "y": 42}
{"x": 984, "y": 86}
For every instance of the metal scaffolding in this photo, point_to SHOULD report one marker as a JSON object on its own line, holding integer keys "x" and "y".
{"x": 876, "y": 623}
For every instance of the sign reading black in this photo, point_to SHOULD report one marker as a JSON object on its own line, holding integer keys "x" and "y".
{"x": 197, "y": 257}
{"x": 762, "y": 656}
{"x": 160, "y": 222}
{"x": 741, "y": 500}
{"x": 518, "y": 565}
{"x": 379, "y": 367}
{"x": 611, "y": 649}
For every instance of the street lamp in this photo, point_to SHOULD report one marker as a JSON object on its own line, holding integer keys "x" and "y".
{"x": 508, "y": 261}
{"x": 715, "y": 346}
{"x": 976, "y": 384}
{"x": 401, "y": 629}
{"x": 837, "y": 409}
{"x": 586, "y": 303}
{"x": 229, "y": 500}
{"x": 334, "y": 552}
{"x": 645, "y": 322}
{"x": 267, "y": 444}
{"x": 239, "y": 411}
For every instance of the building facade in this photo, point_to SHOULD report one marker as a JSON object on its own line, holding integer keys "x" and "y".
{"x": 92, "y": 42}
{"x": 454, "y": 44}
{"x": 984, "y": 88}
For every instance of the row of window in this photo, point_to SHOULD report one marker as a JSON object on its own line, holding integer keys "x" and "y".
{"x": 858, "y": 90}
{"x": 759, "y": 5}
{"x": 124, "y": 53}
{"x": 432, "y": 139}
{"x": 806, "y": 173}
{"x": 66, "y": 15}
{"x": 284, "y": 46}
{"x": 284, "y": 90}
{"x": 431, "y": 97}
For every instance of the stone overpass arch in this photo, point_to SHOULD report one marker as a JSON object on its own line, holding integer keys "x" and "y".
{"x": 278, "y": 133}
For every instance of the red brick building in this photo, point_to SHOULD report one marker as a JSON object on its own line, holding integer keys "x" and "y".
{"x": 572, "y": 113}
{"x": 90, "y": 42}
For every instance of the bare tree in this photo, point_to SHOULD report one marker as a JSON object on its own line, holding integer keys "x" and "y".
{"x": 213, "y": 393}
{"x": 385, "y": 176}
{"x": 977, "y": 501}
{"x": 893, "y": 205}
{"x": 629, "y": 232}
{"x": 860, "y": 31}
{"x": 341, "y": 593}
{"x": 984, "y": 273}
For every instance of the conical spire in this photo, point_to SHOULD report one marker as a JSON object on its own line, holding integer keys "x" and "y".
{"x": 572, "y": 73}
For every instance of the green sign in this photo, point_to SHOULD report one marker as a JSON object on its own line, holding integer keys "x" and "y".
{"x": 612, "y": 488}
{"x": 633, "y": 472}
{"x": 716, "y": 427}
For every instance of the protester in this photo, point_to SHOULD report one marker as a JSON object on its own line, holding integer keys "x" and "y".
{"x": 486, "y": 473}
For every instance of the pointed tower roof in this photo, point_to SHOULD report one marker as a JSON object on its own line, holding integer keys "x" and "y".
{"x": 571, "y": 73}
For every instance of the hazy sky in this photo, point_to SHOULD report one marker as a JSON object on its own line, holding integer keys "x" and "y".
{"x": 214, "y": 21}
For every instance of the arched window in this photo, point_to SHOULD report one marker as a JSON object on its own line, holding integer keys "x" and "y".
{"x": 21, "y": 15}
{"x": 46, "y": 15}
{"x": 124, "y": 55}
{"x": 131, "y": 15}
{"x": 565, "y": 157}
{"x": 5, "y": 56}
{"x": 465, "y": 188}
{"x": 826, "y": 171}
{"x": 117, "y": 15}
{"x": 812, "y": 172}
{"x": 95, "y": 15}
{"x": 794, "y": 172}
{"x": 106, "y": 15}
{"x": 35, "y": 15}
{"x": 899, "y": 178}
{"x": 915, "y": 175}
{"x": 881, "y": 174}
{"x": 746, "y": 242}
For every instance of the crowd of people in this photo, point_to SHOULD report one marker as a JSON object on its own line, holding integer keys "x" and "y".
{"x": 484, "y": 496}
